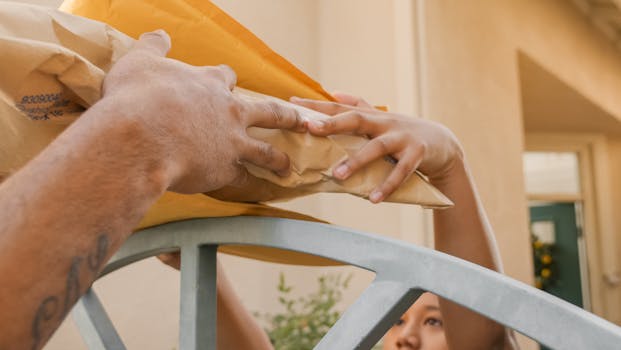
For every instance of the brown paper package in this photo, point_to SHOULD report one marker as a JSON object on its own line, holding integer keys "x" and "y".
{"x": 52, "y": 67}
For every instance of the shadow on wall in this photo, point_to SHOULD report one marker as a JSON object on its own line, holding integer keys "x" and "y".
{"x": 551, "y": 105}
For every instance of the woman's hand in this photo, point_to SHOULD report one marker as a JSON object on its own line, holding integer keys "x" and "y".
{"x": 413, "y": 142}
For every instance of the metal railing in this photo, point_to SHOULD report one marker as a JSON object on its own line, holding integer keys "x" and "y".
{"x": 403, "y": 271}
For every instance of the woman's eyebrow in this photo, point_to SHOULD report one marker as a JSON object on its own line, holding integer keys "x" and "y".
{"x": 432, "y": 308}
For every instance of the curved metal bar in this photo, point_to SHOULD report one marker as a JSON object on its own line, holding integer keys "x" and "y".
{"x": 197, "y": 319}
{"x": 545, "y": 318}
{"x": 94, "y": 325}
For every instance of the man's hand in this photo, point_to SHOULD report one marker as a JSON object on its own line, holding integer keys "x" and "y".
{"x": 190, "y": 115}
{"x": 160, "y": 125}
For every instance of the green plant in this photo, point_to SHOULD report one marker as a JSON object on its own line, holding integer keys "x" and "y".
{"x": 305, "y": 320}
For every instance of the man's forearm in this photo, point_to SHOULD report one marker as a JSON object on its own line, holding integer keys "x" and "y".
{"x": 64, "y": 214}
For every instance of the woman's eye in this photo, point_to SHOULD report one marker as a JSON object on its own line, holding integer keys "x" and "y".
{"x": 399, "y": 322}
{"x": 435, "y": 322}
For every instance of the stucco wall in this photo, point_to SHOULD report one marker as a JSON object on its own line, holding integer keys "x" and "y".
{"x": 472, "y": 85}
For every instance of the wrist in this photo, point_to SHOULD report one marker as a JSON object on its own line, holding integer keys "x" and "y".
{"x": 456, "y": 171}
{"x": 127, "y": 143}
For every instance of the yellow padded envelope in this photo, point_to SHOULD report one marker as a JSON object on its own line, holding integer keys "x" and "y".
{"x": 202, "y": 34}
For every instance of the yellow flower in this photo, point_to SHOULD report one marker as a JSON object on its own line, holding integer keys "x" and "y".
{"x": 537, "y": 244}
{"x": 538, "y": 284}
{"x": 545, "y": 273}
{"x": 546, "y": 259}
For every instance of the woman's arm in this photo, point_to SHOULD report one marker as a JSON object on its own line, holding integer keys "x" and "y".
{"x": 462, "y": 231}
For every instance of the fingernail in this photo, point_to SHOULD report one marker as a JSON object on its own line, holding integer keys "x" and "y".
{"x": 318, "y": 124}
{"x": 375, "y": 196}
{"x": 157, "y": 32}
{"x": 342, "y": 171}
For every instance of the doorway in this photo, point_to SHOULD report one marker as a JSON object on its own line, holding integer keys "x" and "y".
{"x": 560, "y": 257}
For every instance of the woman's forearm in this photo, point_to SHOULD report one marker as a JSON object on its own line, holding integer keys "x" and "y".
{"x": 464, "y": 231}
{"x": 237, "y": 328}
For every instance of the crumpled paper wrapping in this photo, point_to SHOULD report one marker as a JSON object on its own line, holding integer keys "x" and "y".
{"x": 313, "y": 159}
{"x": 52, "y": 66}
{"x": 56, "y": 72}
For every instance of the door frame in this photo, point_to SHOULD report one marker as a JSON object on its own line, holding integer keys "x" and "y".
{"x": 596, "y": 216}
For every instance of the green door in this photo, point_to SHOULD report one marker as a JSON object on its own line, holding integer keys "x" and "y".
{"x": 560, "y": 218}
{"x": 566, "y": 282}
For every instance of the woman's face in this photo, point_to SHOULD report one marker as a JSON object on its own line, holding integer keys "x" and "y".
{"x": 421, "y": 327}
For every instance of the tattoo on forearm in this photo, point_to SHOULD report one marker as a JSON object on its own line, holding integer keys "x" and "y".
{"x": 96, "y": 260}
{"x": 49, "y": 309}
{"x": 72, "y": 290}
{"x": 45, "y": 313}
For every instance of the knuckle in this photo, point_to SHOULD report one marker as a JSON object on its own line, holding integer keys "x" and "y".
{"x": 266, "y": 152}
{"x": 228, "y": 72}
{"x": 355, "y": 116}
{"x": 404, "y": 170}
{"x": 215, "y": 73}
{"x": 407, "y": 165}
{"x": 420, "y": 148}
{"x": 275, "y": 112}
{"x": 226, "y": 69}
{"x": 383, "y": 145}
{"x": 297, "y": 118}
{"x": 329, "y": 124}
{"x": 235, "y": 108}
{"x": 334, "y": 107}
{"x": 240, "y": 141}
{"x": 359, "y": 121}
{"x": 390, "y": 184}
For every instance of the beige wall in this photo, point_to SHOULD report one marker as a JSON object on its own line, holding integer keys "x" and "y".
{"x": 472, "y": 88}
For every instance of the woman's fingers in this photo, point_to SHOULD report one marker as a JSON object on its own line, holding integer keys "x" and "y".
{"x": 381, "y": 146}
{"x": 402, "y": 171}
{"x": 273, "y": 115}
{"x": 351, "y": 122}
{"x": 171, "y": 259}
{"x": 351, "y": 100}
{"x": 266, "y": 156}
{"x": 374, "y": 149}
{"x": 325, "y": 107}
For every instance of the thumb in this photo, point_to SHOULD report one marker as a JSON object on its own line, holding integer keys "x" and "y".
{"x": 156, "y": 42}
